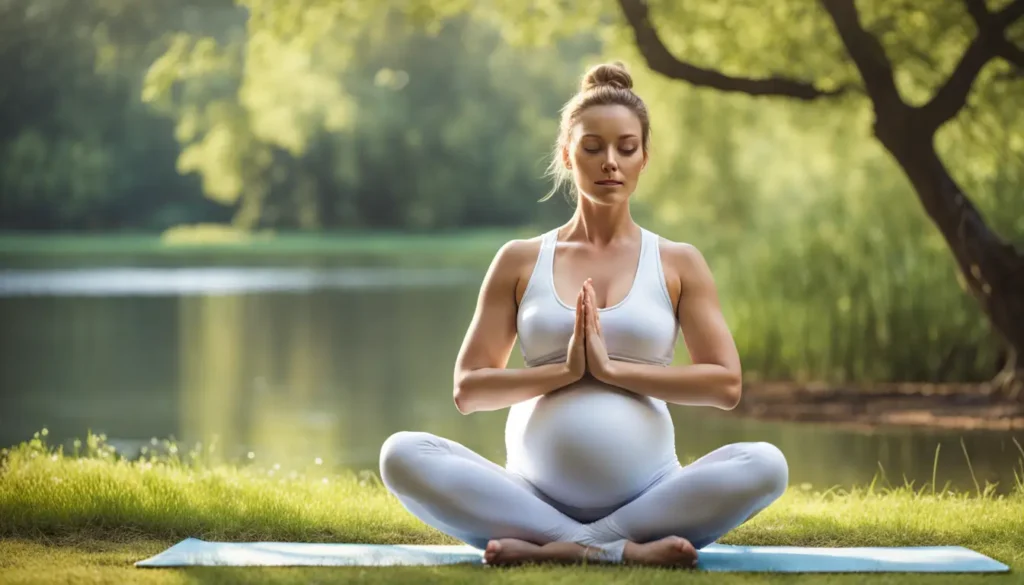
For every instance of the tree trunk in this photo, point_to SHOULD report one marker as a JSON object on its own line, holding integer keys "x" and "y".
{"x": 992, "y": 268}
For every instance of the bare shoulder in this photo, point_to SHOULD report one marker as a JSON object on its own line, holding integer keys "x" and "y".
{"x": 513, "y": 264}
{"x": 519, "y": 250}
{"x": 514, "y": 255}
{"x": 679, "y": 253}
{"x": 685, "y": 267}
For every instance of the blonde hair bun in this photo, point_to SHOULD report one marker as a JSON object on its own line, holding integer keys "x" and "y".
{"x": 612, "y": 74}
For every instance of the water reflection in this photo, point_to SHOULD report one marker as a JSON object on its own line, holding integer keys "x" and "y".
{"x": 128, "y": 281}
{"x": 331, "y": 372}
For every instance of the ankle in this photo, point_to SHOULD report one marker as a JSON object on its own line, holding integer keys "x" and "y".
{"x": 563, "y": 552}
{"x": 631, "y": 552}
{"x": 603, "y": 552}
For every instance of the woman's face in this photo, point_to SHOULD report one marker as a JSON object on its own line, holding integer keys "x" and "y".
{"x": 605, "y": 153}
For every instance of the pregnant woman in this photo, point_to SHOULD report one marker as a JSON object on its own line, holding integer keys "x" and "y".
{"x": 591, "y": 471}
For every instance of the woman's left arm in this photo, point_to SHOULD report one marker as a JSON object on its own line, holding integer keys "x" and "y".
{"x": 715, "y": 376}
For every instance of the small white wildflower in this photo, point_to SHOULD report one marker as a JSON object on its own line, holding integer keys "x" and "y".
{"x": 318, "y": 461}
{"x": 251, "y": 455}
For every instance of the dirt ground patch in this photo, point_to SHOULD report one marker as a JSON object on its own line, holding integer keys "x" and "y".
{"x": 952, "y": 406}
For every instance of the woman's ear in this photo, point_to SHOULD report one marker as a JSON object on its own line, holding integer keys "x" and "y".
{"x": 565, "y": 157}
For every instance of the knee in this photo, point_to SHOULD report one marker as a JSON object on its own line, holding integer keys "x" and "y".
{"x": 399, "y": 456}
{"x": 770, "y": 468}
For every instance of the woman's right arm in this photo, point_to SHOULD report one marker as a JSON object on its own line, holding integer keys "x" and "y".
{"x": 482, "y": 383}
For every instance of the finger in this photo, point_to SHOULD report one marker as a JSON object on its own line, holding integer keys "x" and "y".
{"x": 597, "y": 314}
{"x": 583, "y": 322}
{"x": 580, "y": 313}
{"x": 596, "y": 317}
{"x": 590, "y": 315}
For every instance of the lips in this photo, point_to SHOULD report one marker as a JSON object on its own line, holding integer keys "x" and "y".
{"x": 609, "y": 182}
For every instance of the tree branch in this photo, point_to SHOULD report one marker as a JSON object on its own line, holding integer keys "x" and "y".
{"x": 865, "y": 50}
{"x": 977, "y": 9}
{"x": 1013, "y": 54}
{"x": 1004, "y": 47}
{"x": 989, "y": 43}
{"x": 661, "y": 60}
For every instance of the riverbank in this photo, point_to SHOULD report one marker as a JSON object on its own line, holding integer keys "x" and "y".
{"x": 947, "y": 406}
{"x": 88, "y": 519}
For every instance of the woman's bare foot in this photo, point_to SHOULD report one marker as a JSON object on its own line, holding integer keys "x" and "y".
{"x": 510, "y": 551}
{"x": 673, "y": 551}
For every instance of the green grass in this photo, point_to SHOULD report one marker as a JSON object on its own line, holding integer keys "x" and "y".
{"x": 86, "y": 517}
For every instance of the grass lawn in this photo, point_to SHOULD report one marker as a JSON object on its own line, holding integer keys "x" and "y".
{"x": 85, "y": 518}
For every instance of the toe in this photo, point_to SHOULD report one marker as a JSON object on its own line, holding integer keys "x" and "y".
{"x": 492, "y": 550}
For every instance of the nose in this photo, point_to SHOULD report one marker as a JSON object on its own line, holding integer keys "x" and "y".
{"x": 609, "y": 165}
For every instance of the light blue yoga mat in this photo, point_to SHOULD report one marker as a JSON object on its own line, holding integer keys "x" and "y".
{"x": 715, "y": 557}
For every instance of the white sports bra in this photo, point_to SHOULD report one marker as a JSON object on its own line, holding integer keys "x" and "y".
{"x": 642, "y": 327}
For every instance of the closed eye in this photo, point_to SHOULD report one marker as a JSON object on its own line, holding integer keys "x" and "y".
{"x": 622, "y": 150}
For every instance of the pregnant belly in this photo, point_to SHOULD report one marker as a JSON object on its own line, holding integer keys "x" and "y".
{"x": 590, "y": 444}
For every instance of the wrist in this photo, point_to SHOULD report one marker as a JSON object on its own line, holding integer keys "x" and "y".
{"x": 606, "y": 372}
{"x": 567, "y": 376}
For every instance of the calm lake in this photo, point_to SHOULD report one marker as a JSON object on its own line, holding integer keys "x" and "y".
{"x": 294, "y": 362}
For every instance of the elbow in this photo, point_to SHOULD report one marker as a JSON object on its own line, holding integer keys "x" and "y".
{"x": 460, "y": 401}
{"x": 732, "y": 394}
{"x": 462, "y": 404}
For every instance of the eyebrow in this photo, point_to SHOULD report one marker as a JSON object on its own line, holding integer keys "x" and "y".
{"x": 599, "y": 136}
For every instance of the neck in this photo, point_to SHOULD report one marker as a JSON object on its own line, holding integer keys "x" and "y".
{"x": 600, "y": 224}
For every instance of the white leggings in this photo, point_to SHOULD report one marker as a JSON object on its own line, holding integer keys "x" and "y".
{"x": 466, "y": 496}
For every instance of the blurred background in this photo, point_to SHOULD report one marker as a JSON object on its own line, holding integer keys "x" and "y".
{"x": 266, "y": 221}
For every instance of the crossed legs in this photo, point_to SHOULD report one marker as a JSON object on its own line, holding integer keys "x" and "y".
{"x": 462, "y": 494}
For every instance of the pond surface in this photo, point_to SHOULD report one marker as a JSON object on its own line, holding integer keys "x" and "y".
{"x": 293, "y": 363}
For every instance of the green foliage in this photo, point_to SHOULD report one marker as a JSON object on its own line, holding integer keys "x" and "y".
{"x": 269, "y": 120}
{"x": 77, "y": 147}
